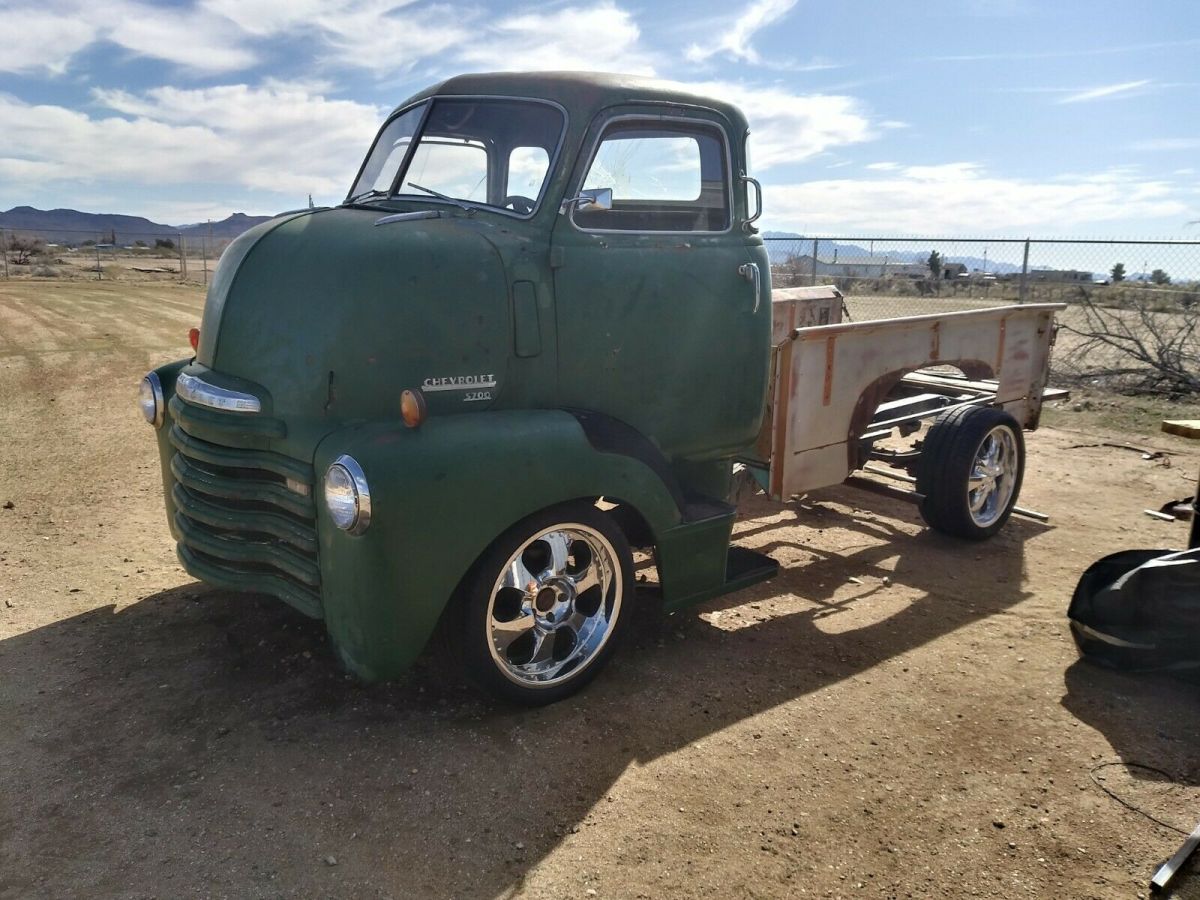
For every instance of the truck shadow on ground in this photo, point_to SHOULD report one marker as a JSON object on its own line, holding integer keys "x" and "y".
{"x": 200, "y": 740}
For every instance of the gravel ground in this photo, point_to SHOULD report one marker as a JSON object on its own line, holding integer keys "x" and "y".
{"x": 896, "y": 715}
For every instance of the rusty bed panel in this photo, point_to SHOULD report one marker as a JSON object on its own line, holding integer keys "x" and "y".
{"x": 823, "y": 373}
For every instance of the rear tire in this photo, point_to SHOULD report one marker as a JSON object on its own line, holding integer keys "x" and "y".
{"x": 542, "y": 610}
{"x": 970, "y": 471}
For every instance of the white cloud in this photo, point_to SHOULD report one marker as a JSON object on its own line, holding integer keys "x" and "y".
{"x": 1105, "y": 91}
{"x": 1021, "y": 55}
{"x": 601, "y": 37}
{"x": 386, "y": 37}
{"x": 34, "y": 38}
{"x": 1166, "y": 144}
{"x": 883, "y": 166}
{"x": 395, "y": 35}
{"x": 264, "y": 18}
{"x": 192, "y": 38}
{"x": 786, "y": 127}
{"x": 963, "y": 198}
{"x": 278, "y": 138}
{"x": 736, "y": 40}
{"x": 49, "y": 36}
{"x": 382, "y": 36}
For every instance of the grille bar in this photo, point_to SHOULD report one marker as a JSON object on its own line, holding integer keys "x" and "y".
{"x": 241, "y": 518}
{"x": 220, "y": 573}
{"x": 205, "y": 481}
{"x": 234, "y": 547}
{"x": 236, "y": 458}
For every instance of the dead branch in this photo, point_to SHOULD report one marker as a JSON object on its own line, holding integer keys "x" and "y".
{"x": 1145, "y": 349}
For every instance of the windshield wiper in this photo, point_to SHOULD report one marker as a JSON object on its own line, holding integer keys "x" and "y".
{"x": 366, "y": 195}
{"x": 459, "y": 203}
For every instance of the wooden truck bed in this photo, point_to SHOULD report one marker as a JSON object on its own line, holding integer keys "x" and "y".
{"x": 840, "y": 387}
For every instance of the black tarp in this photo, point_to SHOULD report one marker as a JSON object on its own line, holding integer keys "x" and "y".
{"x": 1140, "y": 609}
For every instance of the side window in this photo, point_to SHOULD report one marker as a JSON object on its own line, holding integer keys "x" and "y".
{"x": 665, "y": 176}
{"x": 456, "y": 168}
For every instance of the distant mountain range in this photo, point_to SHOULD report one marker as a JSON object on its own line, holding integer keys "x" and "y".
{"x": 68, "y": 226}
{"x": 781, "y": 245}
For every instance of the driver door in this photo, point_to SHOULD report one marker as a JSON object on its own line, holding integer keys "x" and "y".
{"x": 658, "y": 325}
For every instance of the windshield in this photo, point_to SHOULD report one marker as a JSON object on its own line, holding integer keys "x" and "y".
{"x": 493, "y": 153}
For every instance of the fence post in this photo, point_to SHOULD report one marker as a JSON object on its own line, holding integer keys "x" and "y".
{"x": 1024, "y": 296}
{"x": 182, "y": 260}
{"x": 99, "y": 271}
{"x": 813, "y": 280}
{"x": 4, "y": 250}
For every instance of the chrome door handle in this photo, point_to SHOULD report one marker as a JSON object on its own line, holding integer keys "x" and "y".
{"x": 750, "y": 272}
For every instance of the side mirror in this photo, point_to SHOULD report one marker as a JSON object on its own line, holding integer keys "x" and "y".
{"x": 592, "y": 198}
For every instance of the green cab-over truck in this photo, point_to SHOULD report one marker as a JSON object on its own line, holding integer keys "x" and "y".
{"x": 538, "y": 333}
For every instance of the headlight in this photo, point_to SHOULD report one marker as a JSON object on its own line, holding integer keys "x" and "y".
{"x": 150, "y": 399}
{"x": 346, "y": 495}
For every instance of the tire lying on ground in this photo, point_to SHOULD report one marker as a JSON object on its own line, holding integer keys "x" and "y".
{"x": 970, "y": 471}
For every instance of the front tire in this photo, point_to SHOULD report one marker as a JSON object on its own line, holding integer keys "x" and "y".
{"x": 970, "y": 471}
{"x": 543, "y": 608}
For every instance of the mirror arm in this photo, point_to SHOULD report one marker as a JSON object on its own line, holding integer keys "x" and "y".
{"x": 581, "y": 201}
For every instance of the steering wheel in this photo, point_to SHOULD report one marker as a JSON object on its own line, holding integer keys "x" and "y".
{"x": 520, "y": 204}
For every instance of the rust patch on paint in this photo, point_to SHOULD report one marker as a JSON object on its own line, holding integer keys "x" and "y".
{"x": 1000, "y": 349}
{"x": 830, "y": 346}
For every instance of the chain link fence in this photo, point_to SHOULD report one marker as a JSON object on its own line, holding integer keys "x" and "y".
{"x": 79, "y": 255}
{"x": 1133, "y": 317}
{"x": 884, "y": 277}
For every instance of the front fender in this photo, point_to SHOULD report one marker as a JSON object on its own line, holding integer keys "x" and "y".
{"x": 440, "y": 494}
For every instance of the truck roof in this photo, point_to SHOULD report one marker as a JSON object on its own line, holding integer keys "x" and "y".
{"x": 581, "y": 93}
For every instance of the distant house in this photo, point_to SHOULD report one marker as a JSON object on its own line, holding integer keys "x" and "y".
{"x": 954, "y": 270}
{"x": 1069, "y": 276}
{"x": 859, "y": 267}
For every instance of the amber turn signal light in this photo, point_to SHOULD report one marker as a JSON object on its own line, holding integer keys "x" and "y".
{"x": 412, "y": 408}
{"x": 194, "y": 337}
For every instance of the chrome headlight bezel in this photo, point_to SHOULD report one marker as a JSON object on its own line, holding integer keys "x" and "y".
{"x": 196, "y": 390}
{"x": 344, "y": 479}
{"x": 151, "y": 399}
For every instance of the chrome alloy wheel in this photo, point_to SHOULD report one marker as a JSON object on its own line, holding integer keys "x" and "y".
{"x": 993, "y": 476}
{"x": 554, "y": 605}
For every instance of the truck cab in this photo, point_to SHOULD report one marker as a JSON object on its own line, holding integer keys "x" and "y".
{"x": 535, "y": 336}
{"x": 541, "y": 291}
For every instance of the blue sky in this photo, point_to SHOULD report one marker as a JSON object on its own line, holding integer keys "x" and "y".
{"x": 998, "y": 117}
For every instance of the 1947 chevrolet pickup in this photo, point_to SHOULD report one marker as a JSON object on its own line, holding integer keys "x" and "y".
{"x": 540, "y": 332}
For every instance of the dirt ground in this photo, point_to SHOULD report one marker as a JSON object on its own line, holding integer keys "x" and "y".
{"x": 898, "y": 714}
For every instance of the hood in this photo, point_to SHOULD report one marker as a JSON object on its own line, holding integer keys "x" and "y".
{"x": 334, "y": 316}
